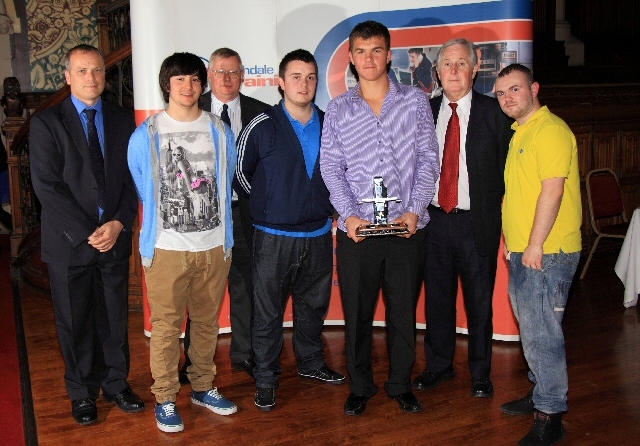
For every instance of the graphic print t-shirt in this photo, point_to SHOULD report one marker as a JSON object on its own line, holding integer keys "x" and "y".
{"x": 188, "y": 206}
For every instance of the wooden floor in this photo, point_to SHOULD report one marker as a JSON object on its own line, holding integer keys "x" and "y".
{"x": 603, "y": 345}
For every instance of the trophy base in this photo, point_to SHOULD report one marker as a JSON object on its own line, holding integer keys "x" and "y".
{"x": 382, "y": 229}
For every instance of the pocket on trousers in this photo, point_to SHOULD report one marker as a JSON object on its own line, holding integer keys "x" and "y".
{"x": 148, "y": 269}
{"x": 560, "y": 296}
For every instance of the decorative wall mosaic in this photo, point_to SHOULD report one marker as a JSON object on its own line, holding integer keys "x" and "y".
{"x": 55, "y": 26}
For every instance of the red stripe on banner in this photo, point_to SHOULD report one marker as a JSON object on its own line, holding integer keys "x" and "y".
{"x": 519, "y": 30}
{"x": 141, "y": 115}
{"x": 476, "y": 32}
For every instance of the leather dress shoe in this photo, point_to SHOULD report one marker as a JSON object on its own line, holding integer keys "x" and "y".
{"x": 408, "y": 402}
{"x": 355, "y": 404}
{"x": 246, "y": 365}
{"x": 84, "y": 411}
{"x": 127, "y": 401}
{"x": 428, "y": 380}
{"x": 482, "y": 388}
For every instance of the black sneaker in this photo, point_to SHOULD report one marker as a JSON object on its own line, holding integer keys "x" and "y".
{"x": 265, "y": 398}
{"x": 324, "y": 374}
{"x": 547, "y": 430}
{"x": 523, "y": 406}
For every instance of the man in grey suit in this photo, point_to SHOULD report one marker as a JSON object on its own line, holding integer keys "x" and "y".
{"x": 226, "y": 75}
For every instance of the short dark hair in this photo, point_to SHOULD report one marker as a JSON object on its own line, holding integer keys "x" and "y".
{"x": 367, "y": 30}
{"x": 417, "y": 51}
{"x": 180, "y": 64}
{"x": 83, "y": 48}
{"x": 301, "y": 55}
{"x": 225, "y": 53}
{"x": 517, "y": 67}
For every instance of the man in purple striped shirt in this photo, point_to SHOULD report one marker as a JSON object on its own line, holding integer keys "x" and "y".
{"x": 379, "y": 128}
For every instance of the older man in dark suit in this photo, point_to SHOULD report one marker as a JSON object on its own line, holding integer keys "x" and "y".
{"x": 226, "y": 75}
{"x": 464, "y": 232}
{"x": 80, "y": 175}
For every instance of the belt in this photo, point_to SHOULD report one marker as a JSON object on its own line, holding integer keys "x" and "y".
{"x": 453, "y": 211}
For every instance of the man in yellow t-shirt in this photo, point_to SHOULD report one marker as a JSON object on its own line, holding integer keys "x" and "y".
{"x": 541, "y": 222}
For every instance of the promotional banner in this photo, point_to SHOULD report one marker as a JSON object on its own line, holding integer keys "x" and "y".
{"x": 263, "y": 31}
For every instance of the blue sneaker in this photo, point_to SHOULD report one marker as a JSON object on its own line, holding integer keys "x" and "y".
{"x": 167, "y": 417}
{"x": 214, "y": 401}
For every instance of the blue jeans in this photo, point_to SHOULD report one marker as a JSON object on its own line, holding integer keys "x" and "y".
{"x": 283, "y": 265}
{"x": 538, "y": 298}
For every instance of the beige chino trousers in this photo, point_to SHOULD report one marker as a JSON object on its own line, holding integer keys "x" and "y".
{"x": 178, "y": 281}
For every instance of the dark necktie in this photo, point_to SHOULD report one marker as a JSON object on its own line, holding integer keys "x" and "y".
{"x": 448, "y": 192}
{"x": 225, "y": 114}
{"x": 97, "y": 160}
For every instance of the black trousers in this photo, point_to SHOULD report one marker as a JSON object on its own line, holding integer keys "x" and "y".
{"x": 302, "y": 266}
{"x": 240, "y": 283}
{"x": 395, "y": 264}
{"x": 91, "y": 312}
{"x": 240, "y": 286}
{"x": 451, "y": 253}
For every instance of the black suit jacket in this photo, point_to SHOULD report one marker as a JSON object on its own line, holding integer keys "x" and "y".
{"x": 249, "y": 109}
{"x": 486, "y": 147}
{"x": 64, "y": 183}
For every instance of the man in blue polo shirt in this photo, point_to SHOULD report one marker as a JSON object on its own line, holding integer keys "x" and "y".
{"x": 293, "y": 245}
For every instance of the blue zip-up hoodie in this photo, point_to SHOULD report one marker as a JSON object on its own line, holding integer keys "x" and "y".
{"x": 143, "y": 157}
{"x": 272, "y": 171}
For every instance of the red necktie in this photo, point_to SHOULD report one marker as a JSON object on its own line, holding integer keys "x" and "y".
{"x": 448, "y": 192}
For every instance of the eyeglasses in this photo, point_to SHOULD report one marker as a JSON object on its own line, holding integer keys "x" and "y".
{"x": 222, "y": 73}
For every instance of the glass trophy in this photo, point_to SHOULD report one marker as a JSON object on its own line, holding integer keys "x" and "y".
{"x": 381, "y": 225}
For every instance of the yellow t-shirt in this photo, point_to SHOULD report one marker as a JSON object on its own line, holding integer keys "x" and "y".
{"x": 544, "y": 147}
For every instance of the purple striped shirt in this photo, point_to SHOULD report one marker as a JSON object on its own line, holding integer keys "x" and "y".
{"x": 400, "y": 146}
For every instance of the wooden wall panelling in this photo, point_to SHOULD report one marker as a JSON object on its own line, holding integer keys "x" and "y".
{"x": 630, "y": 153}
{"x": 584, "y": 134}
{"x": 630, "y": 168}
{"x": 584, "y": 137}
{"x": 605, "y": 150}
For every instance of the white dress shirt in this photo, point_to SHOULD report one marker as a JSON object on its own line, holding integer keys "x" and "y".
{"x": 463, "y": 110}
{"x": 234, "y": 112}
{"x": 234, "y": 117}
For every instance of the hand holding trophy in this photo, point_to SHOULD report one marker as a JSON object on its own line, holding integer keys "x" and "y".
{"x": 381, "y": 225}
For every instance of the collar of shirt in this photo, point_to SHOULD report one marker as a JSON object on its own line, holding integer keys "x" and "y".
{"x": 295, "y": 122}
{"x": 389, "y": 99}
{"x": 216, "y": 105}
{"x": 234, "y": 112}
{"x": 538, "y": 114}
{"x": 81, "y": 106}
{"x": 464, "y": 107}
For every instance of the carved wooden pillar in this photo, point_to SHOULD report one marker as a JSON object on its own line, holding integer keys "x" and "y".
{"x": 10, "y": 127}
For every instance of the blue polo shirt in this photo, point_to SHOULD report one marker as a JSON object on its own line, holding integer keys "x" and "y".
{"x": 309, "y": 136}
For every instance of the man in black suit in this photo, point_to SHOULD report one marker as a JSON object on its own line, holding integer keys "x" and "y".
{"x": 463, "y": 235}
{"x": 80, "y": 175}
{"x": 226, "y": 75}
